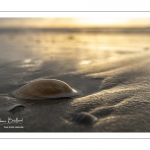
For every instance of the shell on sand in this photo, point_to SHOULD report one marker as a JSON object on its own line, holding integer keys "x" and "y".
{"x": 44, "y": 89}
{"x": 84, "y": 118}
{"x": 14, "y": 106}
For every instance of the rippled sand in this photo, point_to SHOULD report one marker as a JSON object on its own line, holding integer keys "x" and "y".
{"x": 114, "y": 82}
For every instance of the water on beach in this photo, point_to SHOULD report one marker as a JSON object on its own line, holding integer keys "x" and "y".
{"x": 34, "y": 47}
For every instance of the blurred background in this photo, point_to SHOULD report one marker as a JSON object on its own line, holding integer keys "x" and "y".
{"x": 91, "y": 22}
{"x": 79, "y": 41}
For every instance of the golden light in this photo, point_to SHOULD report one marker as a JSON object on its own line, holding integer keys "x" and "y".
{"x": 97, "y": 21}
{"x": 102, "y": 21}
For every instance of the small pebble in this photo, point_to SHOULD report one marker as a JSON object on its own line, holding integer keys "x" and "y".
{"x": 10, "y": 108}
{"x": 84, "y": 118}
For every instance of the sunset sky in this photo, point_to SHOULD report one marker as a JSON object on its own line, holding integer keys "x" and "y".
{"x": 73, "y": 22}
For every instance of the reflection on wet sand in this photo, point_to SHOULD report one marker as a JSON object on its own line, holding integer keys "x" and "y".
{"x": 80, "y": 46}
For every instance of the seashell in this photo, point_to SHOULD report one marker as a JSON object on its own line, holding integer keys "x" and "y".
{"x": 84, "y": 118}
{"x": 45, "y": 89}
{"x": 10, "y": 108}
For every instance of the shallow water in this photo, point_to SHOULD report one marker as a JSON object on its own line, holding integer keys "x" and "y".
{"x": 79, "y": 48}
{"x": 101, "y": 65}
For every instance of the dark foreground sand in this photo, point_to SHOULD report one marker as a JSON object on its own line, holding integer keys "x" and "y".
{"x": 116, "y": 91}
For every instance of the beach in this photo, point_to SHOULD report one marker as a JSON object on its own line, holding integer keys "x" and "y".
{"x": 109, "y": 67}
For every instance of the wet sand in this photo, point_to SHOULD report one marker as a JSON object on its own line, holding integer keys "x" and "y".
{"x": 114, "y": 83}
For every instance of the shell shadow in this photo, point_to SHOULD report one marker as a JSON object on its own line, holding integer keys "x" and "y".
{"x": 46, "y": 102}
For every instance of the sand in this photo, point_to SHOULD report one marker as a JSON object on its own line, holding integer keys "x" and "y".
{"x": 115, "y": 89}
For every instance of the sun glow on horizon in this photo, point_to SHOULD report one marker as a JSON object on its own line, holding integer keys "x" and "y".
{"x": 74, "y": 22}
{"x": 102, "y": 21}
{"x": 114, "y": 22}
